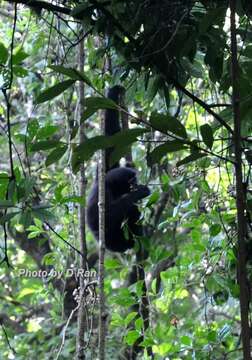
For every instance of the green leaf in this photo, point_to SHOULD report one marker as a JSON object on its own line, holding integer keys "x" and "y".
{"x": 49, "y": 259}
{"x": 139, "y": 324}
{"x": 45, "y": 145}
{"x": 25, "y": 218}
{"x": 93, "y": 104}
{"x": 186, "y": 340}
{"x": 73, "y": 199}
{"x": 164, "y": 149}
{"x": 55, "y": 155}
{"x": 20, "y": 71}
{"x": 47, "y": 131}
{"x": 19, "y": 56}
{"x": 72, "y": 73}
{"x": 196, "y": 69}
{"x": 248, "y": 51}
{"x": 167, "y": 123}
{"x": 118, "y": 153}
{"x": 207, "y": 135}
{"x": 26, "y": 292}
{"x": 215, "y": 229}
{"x": 84, "y": 151}
{"x": 126, "y": 137}
{"x": 112, "y": 264}
{"x": 54, "y": 91}
{"x": 3, "y": 54}
{"x": 153, "y": 199}
{"x": 43, "y": 214}
{"x": 124, "y": 298}
{"x": 193, "y": 157}
{"x": 196, "y": 235}
{"x": 131, "y": 316}
{"x": 131, "y": 337}
{"x": 6, "y": 218}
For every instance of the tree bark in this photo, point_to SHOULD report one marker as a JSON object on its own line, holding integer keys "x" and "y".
{"x": 81, "y": 319}
{"x": 240, "y": 196}
{"x": 101, "y": 205}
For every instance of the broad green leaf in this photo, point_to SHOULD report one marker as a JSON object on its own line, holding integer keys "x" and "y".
{"x": 153, "y": 87}
{"x": 49, "y": 259}
{"x": 131, "y": 337}
{"x": 20, "y": 71}
{"x": 131, "y": 316}
{"x": 211, "y": 336}
{"x": 34, "y": 234}
{"x": 215, "y": 229}
{"x": 126, "y": 137}
{"x": 19, "y": 56}
{"x": 93, "y": 104}
{"x": 193, "y": 157}
{"x": 153, "y": 199}
{"x": 112, "y": 264}
{"x": 162, "y": 150}
{"x": 54, "y": 91}
{"x": 45, "y": 145}
{"x": 207, "y": 135}
{"x": 43, "y": 214}
{"x": 47, "y": 131}
{"x": 84, "y": 151}
{"x": 139, "y": 324}
{"x": 196, "y": 69}
{"x": 186, "y": 340}
{"x": 117, "y": 320}
{"x": 71, "y": 72}
{"x": 55, "y": 155}
{"x": 26, "y": 218}
{"x": 167, "y": 123}
{"x": 248, "y": 51}
{"x": 124, "y": 298}
{"x": 26, "y": 292}
{"x": 3, "y": 54}
{"x": 118, "y": 153}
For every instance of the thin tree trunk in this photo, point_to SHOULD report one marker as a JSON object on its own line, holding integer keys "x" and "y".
{"x": 101, "y": 205}
{"x": 240, "y": 196}
{"x": 81, "y": 320}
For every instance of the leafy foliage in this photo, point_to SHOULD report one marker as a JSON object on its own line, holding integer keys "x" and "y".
{"x": 173, "y": 58}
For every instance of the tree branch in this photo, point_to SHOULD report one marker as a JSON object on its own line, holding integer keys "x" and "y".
{"x": 42, "y": 5}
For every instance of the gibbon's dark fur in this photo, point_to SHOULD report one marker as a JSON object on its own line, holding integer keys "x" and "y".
{"x": 121, "y": 194}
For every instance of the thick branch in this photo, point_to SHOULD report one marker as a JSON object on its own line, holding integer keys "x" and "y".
{"x": 42, "y": 5}
{"x": 204, "y": 105}
{"x": 240, "y": 196}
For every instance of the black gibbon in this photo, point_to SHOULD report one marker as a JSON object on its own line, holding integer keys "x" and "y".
{"x": 121, "y": 194}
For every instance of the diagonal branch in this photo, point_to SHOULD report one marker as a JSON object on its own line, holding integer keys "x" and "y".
{"x": 42, "y": 5}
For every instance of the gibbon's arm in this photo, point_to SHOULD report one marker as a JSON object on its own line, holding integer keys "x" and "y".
{"x": 122, "y": 205}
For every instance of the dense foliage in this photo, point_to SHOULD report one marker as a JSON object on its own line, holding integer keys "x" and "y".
{"x": 174, "y": 59}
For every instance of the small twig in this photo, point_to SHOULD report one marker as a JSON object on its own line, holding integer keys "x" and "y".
{"x": 64, "y": 240}
{"x": 64, "y": 331}
{"x": 7, "y": 340}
